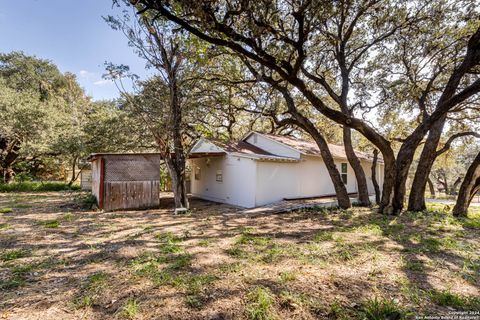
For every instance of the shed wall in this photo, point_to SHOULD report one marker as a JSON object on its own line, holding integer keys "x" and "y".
{"x": 131, "y": 181}
{"x": 96, "y": 179}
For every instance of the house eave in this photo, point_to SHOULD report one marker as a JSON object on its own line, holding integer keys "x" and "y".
{"x": 258, "y": 157}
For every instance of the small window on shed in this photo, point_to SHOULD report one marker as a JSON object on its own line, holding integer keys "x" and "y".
{"x": 344, "y": 173}
{"x": 219, "y": 176}
{"x": 197, "y": 173}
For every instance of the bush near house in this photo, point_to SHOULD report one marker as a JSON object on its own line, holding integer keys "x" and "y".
{"x": 37, "y": 186}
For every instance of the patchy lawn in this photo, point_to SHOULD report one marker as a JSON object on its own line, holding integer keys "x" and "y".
{"x": 60, "y": 261}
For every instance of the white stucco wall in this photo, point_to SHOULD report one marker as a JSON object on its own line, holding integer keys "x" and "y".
{"x": 275, "y": 181}
{"x": 249, "y": 183}
{"x": 271, "y": 146}
{"x": 237, "y": 187}
{"x": 307, "y": 178}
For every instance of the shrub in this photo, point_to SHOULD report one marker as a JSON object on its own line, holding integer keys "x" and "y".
{"x": 37, "y": 186}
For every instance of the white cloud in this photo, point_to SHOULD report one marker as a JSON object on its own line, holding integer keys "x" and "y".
{"x": 102, "y": 82}
{"x": 86, "y": 74}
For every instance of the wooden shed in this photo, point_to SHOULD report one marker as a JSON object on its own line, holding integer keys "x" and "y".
{"x": 126, "y": 181}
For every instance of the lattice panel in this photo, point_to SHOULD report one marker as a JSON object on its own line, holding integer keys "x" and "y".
{"x": 132, "y": 168}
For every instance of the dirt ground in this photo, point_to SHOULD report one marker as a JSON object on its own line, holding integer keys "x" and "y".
{"x": 59, "y": 260}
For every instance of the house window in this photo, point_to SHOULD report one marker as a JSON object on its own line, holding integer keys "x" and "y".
{"x": 197, "y": 173}
{"x": 344, "y": 173}
{"x": 219, "y": 176}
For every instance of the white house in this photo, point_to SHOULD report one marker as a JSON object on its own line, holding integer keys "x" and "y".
{"x": 264, "y": 168}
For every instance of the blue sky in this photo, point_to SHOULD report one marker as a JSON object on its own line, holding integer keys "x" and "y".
{"x": 73, "y": 35}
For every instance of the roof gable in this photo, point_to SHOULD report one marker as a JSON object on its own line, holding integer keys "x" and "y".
{"x": 274, "y": 147}
{"x": 205, "y": 146}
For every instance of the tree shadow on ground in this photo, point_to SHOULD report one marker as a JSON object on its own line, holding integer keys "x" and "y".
{"x": 64, "y": 260}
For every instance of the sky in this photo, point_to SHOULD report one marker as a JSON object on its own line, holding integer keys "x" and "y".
{"x": 71, "y": 34}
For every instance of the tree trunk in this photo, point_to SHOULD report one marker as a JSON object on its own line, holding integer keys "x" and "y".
{"x": 8, "y": 174}
{"x": 399, "y": 187}
{"x": 340, "y": 189}
{"x": 416, "y": 200}
{"x": 470, "y": 186}
{"x": 74, "y": 176}
{"x": 363, "y": 198}
{"x": 178, "y": 162}
{"x": 390, "y": 169}
{"x": 178, "y": 184}
{"x": 404, "y": 161}
{"x": 455, "y": 186}
{"x": 431, "y": 187}
{"x": 352, "y": 158}
{"x": 445, "y": 184}
{"x": 8, "y": 155}
{"x": 304, "y": 123}
{"x": 374, "y": 177}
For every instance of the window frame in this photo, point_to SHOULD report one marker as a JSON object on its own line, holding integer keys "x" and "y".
{"x": 218, "y": 174}
{"x": 344, "y": 172}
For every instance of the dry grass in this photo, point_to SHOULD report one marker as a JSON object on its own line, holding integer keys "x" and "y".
{"x": 59, "y": 261}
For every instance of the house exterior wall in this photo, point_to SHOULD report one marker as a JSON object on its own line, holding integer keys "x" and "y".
{"x": 271, "y": 146}
{"x": 250, "y": 183}
{"x": 238, "y": 185}
{"x": 307, "y": 178}
{"x": 275, "y": 181}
